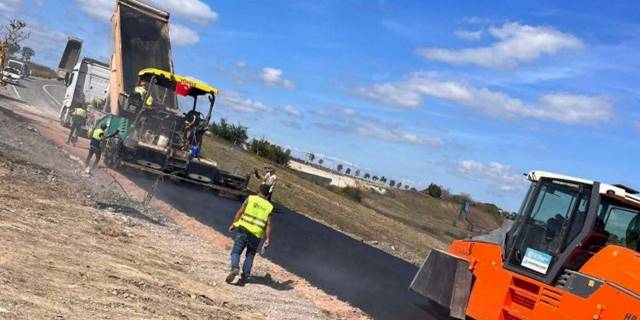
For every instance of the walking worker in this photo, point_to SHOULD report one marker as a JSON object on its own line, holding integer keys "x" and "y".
{"x": 252, "y": 223}
{"x": 270, "y": 179}
{"x": 78, "y": 119}
{"x": 95, "y": 147}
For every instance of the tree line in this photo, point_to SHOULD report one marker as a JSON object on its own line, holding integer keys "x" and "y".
{"x": 357, "y": 173}
{"x": 13, "y": 34}
{"x": 237, "y": 134}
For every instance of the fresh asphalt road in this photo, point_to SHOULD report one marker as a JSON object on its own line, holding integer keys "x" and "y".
{"x": 355, "y": 272}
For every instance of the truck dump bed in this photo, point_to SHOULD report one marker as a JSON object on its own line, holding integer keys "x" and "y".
{"x": 141, "y": 40}
{"x": 70, "y": 57}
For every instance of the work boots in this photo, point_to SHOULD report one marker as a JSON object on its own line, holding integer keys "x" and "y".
{"x": 233, "y": 277}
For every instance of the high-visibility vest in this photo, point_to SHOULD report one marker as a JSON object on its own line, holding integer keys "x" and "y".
{"x": 149, "y": 103}
{"x": 97, "y": 132}
{"x": 255, "y": 216}
{"x": 142, "y": 92}
{"x": 80, "y": 112}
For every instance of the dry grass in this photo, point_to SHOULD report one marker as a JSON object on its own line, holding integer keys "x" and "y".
{"x": 405, "y": 224}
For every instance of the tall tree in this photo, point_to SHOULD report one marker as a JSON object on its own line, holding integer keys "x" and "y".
{"x": 375, "y": 178}
{"x": 357, "y": 173}
{"x": 340, "y": 167}
{"x": 348, "y": 171}
{"x": 367, "y": 176}
{"x": 311, "y": 157}
{"x": 321, "y": 161}
{"x": 27, "y": 53}
{"x": 434, "y": 190}
{"x": 392, "y": 183}
{"x": 399, "y": 185}
{"x": 13, "y": 33}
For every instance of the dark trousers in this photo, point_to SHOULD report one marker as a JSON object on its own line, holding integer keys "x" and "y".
{"x": 242, "y": 240}
{"x": 73, "y": 134}
{"x": 94, "y": 149}
{"x": 76, "y": 126}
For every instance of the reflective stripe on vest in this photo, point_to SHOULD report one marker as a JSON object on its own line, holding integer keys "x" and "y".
{"x": 97, "y": 132}
{"x": 80, "y": 112}
{"x": 255, "y": 215}
{"x": 140, "y": 90}
{"x": 149, "y": 103}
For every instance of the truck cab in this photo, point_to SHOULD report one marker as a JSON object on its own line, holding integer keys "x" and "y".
{"x": 13, "y": 71}
{"x": 88, "y": 85}
{"x": 572, "y": 253}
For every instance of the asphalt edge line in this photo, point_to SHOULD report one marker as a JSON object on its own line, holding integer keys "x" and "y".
{"x": 16, "y": 92}
{"x": 44, "y": 88}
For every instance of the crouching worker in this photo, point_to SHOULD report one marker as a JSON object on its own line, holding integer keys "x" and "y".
{"x": 251, "y": 223}
{"x": 95, "y": 147}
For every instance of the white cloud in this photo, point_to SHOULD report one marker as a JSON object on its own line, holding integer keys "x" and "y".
{"x": 350, "y": 112}
{"x": 182, "y": 36}
{"x": 516, "y": 44}
{"x": 504, "y": 178}
{"x": 468, "y": 35}
{"x": 241, "y": 64}
{"x": 291, "y": 111}
{"x": 383, "y": 132}
{"x": 10, "y": 5}
{"x": 574, "y": 109}
{"x": 101, "y": 9}
{"x": 194, "y": 10}
{"x": 475, "y": 20}
{"x": 396, "y": 135}
{"x": 559, "y": 107}
{"x": 235, "y": 101}
{"x": 275, "y": 77}
{"x": 47, "y": 43}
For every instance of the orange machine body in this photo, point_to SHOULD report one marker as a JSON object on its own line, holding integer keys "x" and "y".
{"x": 498, "y": 293}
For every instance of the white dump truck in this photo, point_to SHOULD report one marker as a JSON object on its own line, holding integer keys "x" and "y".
{"x": 88, "y": 85}
{"x": 69, "y": 58}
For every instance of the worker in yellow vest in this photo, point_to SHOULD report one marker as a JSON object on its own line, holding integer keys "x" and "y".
{"x": 139, "y": 94}
{"x": 252, "y": 223}
{"x": 78, "y": 119}
{"x": 95, "y": 147}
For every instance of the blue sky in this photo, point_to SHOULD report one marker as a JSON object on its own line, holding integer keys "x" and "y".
{"x": 465, "y": 94}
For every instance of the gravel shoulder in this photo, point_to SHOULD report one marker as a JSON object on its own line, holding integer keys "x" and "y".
{"x": 79, "y": 248}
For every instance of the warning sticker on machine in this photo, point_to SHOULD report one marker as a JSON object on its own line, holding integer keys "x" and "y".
{"x": 536, "y": 260}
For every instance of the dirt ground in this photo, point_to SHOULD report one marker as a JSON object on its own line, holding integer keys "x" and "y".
{"x": 80, "y": 248}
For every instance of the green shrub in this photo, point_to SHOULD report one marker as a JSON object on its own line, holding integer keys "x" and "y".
{"x": 434, "y": 190}
{"x": 352, "y": 193}
{"x": 266, "y": 149}
{"x": 235, "y": 134}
